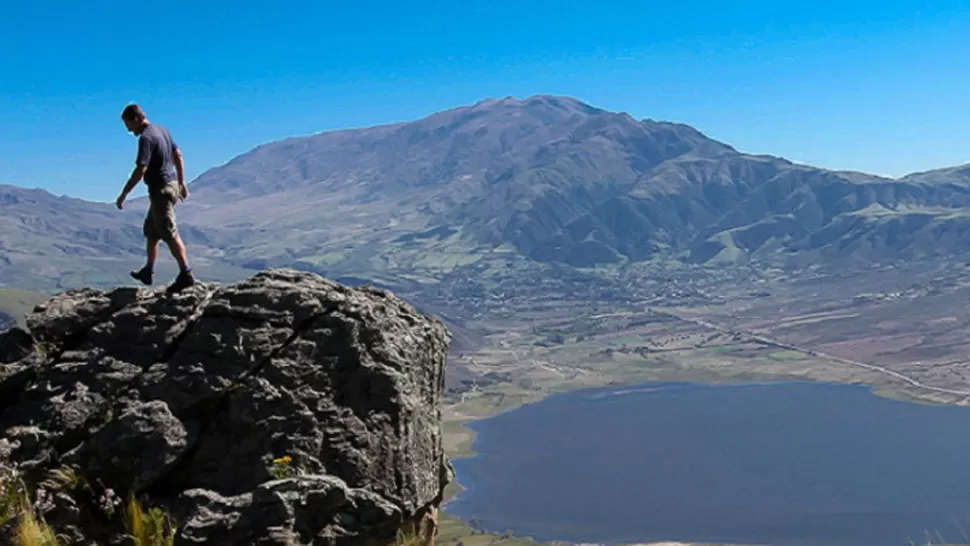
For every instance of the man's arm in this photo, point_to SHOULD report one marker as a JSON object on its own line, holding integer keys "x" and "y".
{"x": 136, "y": 176}
{"x": 141, "y": 165}
{"x": 179, "y": 168}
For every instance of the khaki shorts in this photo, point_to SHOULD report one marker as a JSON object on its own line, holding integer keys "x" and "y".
{"x": 160, "y": 220}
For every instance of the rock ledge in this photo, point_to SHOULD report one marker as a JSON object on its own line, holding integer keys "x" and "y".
{"x": 283, "y": 409}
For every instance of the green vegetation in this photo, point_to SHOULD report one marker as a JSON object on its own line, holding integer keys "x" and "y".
{"x": 458, "y": 438}
{"x": 22, "y": 506}
{"x": 33, "y": 531}
{"x": 153, "y": 527}
{"x": 18, "y": 513}
{"x": 455, "y": 532}
{"x": 283, "y": 467}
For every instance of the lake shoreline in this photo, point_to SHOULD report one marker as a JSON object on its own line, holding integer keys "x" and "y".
{"x": 465, "y": 449}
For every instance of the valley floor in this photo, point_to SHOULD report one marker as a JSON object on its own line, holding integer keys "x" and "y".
{"x": 902, "y": 332}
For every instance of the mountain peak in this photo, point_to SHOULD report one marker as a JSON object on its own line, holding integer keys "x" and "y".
{"x": 545, "y": 136}
{"x": 541, "y": 109}
{"x": 559, "y": 102}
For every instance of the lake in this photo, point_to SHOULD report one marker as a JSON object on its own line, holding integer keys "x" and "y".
{"x": 792, "y": 464}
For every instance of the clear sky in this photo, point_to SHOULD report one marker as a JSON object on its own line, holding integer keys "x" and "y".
{"x": 871, "y": 85}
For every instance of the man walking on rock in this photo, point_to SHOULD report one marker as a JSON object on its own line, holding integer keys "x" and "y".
{"x": 159, "y": 162}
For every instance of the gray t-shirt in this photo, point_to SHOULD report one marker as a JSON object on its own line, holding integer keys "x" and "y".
{"x": 156, "y": 151}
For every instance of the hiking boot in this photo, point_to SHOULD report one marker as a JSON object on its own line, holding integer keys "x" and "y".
{"x": 144, "y": 275}
{"x": 183, "y": 281}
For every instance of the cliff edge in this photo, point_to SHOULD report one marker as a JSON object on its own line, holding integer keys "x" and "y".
{"x": 283, "y": 409}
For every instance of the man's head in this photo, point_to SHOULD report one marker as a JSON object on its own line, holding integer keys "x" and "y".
{"x": 134, "y": 118}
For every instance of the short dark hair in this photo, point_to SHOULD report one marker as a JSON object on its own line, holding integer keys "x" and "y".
{"x": 133, "y": 112}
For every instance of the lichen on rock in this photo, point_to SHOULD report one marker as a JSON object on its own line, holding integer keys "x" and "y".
{"x": 191, "y": 401}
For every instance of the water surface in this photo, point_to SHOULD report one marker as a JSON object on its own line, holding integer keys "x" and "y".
{"x": 792, "y": 464}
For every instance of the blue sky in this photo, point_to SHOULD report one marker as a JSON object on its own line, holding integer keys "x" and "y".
{"x": 877, "y": 86}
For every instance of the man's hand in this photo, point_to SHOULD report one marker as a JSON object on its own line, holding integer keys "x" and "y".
{"x": 136, "y": 175}
{"x": 183, "y": 191}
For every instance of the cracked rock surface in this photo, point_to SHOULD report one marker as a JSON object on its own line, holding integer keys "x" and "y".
{"x": 186, "y": 401}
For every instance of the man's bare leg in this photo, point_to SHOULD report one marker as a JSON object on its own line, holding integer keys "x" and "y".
{"x": 151, "y": 254}
{"x": 177, "y": 248}
{"x": 185, "y": 277}
{"x": 146, "y": 273}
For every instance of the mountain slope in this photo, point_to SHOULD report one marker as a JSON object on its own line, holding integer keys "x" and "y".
{"x": 553, "y": 179}
{"x": 543, "y": 179}
{"x": 959, "y": 175}
{"x": 460, "y": 148}
{"x": 50, "y": 242}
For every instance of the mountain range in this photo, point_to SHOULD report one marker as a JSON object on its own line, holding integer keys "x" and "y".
{"x": 546, "y": 179}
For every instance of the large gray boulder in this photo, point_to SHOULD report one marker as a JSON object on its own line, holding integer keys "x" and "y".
{"x": 187, "y": 400}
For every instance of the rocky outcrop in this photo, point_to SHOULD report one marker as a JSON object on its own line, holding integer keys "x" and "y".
{"x": 283, "y": 409}
{"x": 6, "y": 321}
{"x": 14, "y": 345}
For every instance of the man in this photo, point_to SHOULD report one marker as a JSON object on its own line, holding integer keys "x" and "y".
{"x": 159, "y": 162}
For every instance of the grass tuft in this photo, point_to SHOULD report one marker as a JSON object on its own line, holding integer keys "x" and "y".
{"x": 422, "y": 533}
{"x": 411, "y": 537}
{"x": 32, "y": 530}
{"x": 63, "y": 479}
{"x": 153, "y": 527}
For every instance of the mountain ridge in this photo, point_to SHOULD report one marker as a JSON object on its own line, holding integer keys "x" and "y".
{"x": 621, "y": 168}
{"x": 545, "y": 178}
